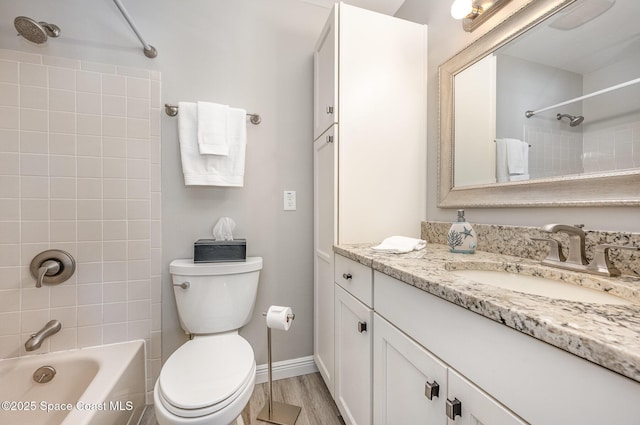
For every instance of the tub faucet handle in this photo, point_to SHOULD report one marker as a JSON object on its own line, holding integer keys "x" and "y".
{"x": 48, "y": 268}
{"x": 52, "y": 266}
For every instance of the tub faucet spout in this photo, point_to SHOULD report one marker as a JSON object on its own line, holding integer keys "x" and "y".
{"x": 33, "y": 343}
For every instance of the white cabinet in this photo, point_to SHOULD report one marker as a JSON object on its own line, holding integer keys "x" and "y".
{"x": 370, "y": 106}
{"x": 410, "y": 384}
{"x": 475, "y": 406}
{"x": 325, "y": 105}
{"x": 353, "y": 323}
{"x": 355, "y": 278}
{"x": 502, "y": 376}
{"x": 324, "y": 237}
{"x": 370, "y": 71}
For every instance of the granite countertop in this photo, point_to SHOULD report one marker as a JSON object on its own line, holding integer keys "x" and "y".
{"x": 605, "y": 334}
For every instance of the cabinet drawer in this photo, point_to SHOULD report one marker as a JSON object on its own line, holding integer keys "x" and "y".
{"x": 355, "y": 278}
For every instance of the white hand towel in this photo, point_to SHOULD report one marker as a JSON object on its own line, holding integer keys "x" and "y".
{"x": 211, "y": 170}
{"x": 515, "y": 156}
{"x": 213, "y": 134}
{"x": 400, "y": 245}
{"x": 502, "y": 172}
{"x": 512, "y": 160}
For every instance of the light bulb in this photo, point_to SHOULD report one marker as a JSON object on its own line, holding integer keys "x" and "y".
{"x": 461, "y": 8}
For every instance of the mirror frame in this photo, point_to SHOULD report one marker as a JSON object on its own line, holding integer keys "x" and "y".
{"x": 620, "y": 188}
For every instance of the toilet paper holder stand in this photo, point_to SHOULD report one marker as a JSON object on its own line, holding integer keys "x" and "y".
{"x": 273, "y": 411}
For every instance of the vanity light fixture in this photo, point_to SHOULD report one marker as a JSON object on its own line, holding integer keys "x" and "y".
{"x": 474, "y": 12}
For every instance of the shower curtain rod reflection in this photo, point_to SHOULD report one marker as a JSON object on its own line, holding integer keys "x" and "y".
{"x": 149, "y": 50}
{"x": 529, "y": 114}
{"x": 172, "y": 111}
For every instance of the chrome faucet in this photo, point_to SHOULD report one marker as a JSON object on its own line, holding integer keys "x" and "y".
{"x": 33, "y": 343}
{"x": 576, "y": 254}
{"x": 576, "y": 259}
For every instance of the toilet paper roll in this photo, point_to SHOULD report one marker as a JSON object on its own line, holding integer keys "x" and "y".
{"x": 279, "y": 317}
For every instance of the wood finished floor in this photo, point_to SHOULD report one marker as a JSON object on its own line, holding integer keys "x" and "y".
{"x": 306, "y": 391}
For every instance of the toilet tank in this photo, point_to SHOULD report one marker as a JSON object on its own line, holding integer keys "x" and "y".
{"x": 215, "y": 297}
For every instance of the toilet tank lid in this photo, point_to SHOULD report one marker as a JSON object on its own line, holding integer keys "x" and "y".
{"x": 186, "y": 267}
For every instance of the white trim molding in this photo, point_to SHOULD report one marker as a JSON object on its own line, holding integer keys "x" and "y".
{"x": 286, "y": 369}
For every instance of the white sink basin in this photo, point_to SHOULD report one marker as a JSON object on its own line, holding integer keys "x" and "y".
{"x": 540, "y": 286}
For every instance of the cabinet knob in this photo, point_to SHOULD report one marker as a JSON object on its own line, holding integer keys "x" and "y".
{"x": 329, "y": 110}
{"x": 329, "y": 139}
{"x": 362, "y": 327}
{"x": 347, "y": 276}
{"x": 431, "y": 390}
{"x": 454, "y": 408}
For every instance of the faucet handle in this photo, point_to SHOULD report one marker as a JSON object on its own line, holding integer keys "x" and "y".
{"x": 601, "y": 263}
{"x": 555, "y": 253}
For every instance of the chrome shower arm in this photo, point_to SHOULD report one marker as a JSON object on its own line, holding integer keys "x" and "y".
{"x": 149, "y": 50}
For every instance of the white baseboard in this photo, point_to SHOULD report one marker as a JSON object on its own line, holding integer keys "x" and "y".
{"x": 286, "y": 369}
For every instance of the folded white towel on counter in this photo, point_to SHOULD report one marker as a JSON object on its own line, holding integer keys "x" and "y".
{"x": 400, "y": 245}
{"x": 212, "y": 170}
{"x": 213, "y": 135}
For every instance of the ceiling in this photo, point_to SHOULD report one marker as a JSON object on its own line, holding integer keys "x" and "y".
{"x": 595, "y": 44}
{"x": 388, "y": 7}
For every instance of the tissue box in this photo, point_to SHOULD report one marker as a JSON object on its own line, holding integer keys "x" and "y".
{"x": 213, "y": 251}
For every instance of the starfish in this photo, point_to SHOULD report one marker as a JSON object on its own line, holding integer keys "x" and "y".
{"x": 467, "y": 232}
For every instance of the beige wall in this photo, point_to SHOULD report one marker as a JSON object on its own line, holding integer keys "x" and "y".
{"x": 446, "y": 38}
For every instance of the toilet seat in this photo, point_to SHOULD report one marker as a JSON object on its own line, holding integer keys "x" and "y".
{"x": 206, "y": 374}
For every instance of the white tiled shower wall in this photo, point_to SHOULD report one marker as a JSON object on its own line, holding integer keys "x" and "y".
{"x": 553, "y": 152}
{"x": 80, "y": 171}
{"x": 562, "y": 152}
{"x": 615, "y": 148}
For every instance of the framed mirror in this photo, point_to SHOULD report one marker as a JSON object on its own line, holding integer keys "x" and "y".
{"x": 544, "y": 110}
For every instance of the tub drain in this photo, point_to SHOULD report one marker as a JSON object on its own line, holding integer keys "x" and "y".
{"x": 44, "y": 374}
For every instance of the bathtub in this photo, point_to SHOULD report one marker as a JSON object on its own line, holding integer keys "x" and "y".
{"x": 102, "y": 385}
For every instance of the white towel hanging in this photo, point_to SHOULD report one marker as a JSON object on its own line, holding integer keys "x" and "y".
{"x": 213, "y": 133}
{"x": 212, "y": 170}
{"x": 512, "y": 160}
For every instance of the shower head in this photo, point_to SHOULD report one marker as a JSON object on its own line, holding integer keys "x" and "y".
{"x": 574, "y": 120}
{"x": 35, "y": 32}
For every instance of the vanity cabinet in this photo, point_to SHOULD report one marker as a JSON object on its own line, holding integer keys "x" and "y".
{"x": 353, "y": 324}
{"x": 369, "y": 145}
{"x": 409, "y": 383}
{"x": 353, "y": 340}
{"x": 413, "y": 386}
{"x": 500, "y": 375}
{"x": 475, "y": 406}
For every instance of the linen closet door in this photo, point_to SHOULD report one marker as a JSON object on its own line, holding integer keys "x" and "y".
{"x": 325, "y": 89}
{"x": 325, "y": 234}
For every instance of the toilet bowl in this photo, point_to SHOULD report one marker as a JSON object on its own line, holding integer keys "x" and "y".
{"x": 210, "y": 378}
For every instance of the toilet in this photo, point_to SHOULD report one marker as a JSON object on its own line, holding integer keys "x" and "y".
{"x": 210, "y": 378}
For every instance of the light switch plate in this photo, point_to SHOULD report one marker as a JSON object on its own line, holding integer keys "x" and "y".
{"x": 289, "y": 200}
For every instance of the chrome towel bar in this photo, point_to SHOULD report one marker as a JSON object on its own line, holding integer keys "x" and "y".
{"x": 172, "y": 111}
